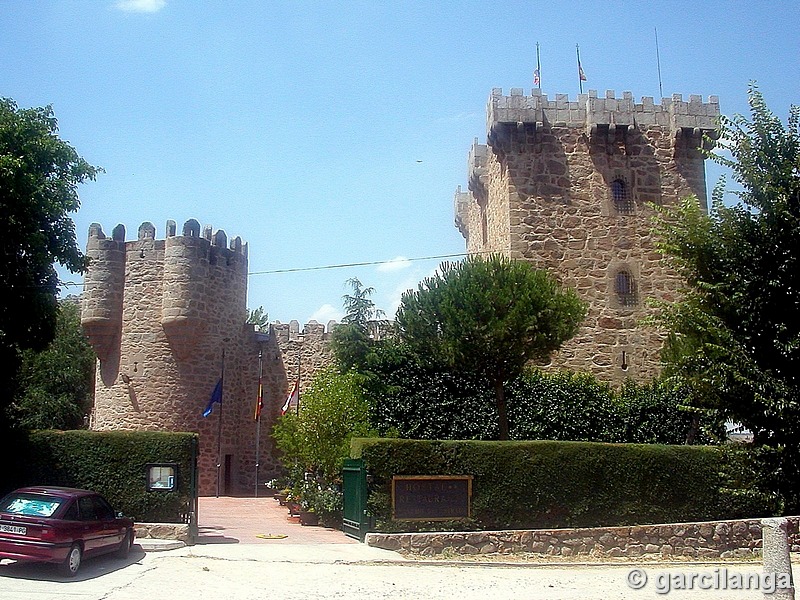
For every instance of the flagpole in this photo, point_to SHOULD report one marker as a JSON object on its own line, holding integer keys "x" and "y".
{"x": 580, "y": 79}
{"x": 658, "y": 62}
{"x": 299, "y": 358}
{"x": 219, "y": 424}
{"x": 259, "y": 406}
{"x": 538, "y": 67}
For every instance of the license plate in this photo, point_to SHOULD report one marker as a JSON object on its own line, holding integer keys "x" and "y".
{"x": 13, "y": 529}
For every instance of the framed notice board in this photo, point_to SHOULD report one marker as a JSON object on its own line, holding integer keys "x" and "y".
{"x": 431, "y": 497}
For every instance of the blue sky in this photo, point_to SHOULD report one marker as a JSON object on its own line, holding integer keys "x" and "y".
{"x": 327, "y": 133}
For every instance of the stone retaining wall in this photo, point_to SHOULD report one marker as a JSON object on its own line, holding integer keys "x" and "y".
{"x": 712, "y": 539}
{"x": 163, "y": 531}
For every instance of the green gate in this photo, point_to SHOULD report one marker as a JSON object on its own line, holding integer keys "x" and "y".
{"x": 355, "y": 522}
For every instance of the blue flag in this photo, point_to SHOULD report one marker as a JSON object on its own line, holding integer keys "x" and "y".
{"x": 216, "y": 396}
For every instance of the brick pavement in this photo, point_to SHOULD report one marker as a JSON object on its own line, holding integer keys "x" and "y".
{"x": 229, "y": 520}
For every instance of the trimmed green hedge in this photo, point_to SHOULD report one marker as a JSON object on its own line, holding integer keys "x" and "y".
{"x": 113, "y": 463}
{"x": 551, "y": 484}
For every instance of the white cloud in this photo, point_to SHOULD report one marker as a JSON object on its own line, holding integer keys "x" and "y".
{"x": 396, "y": 264}
{"x": 326, "y": 313}
{"x": 459, "y": 117}
{"x": 141, "y": 6}
{"x": 409, "y": 283}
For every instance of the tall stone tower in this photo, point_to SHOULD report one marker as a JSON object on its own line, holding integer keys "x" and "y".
{"x": 569, "y": 185}
{"x": 160, "y": 314}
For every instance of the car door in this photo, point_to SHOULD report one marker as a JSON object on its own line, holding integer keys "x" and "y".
{"x": 91, "y": 528}
{"x": 110, "y": 532}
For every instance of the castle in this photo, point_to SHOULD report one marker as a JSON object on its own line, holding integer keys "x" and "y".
{"x": 569, "y": 185}
{"x": 564, "y": 184}
{"x": 165, "y": 317}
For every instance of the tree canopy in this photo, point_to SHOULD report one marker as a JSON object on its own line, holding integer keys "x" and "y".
{"x": 259, "y": 318}
{"x": 317, "y": 439}
{"x": 490, "y": 316}
{"x": 735, "y": 335}
{"x": 362, "y": 324}
{"x": 39, "y": 176}
{"x": 55, "y": 385}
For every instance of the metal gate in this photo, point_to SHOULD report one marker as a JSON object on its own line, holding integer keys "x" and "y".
{"x": 355, "y": 522}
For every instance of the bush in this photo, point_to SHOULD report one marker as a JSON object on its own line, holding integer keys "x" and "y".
{"x": 417, "y": 401}
{"x": 411, "y": 400}
{"x": 562, "y": 405}
{"x": 332, "y": 411}
{"x": 549, "y": 484}
{"x": 113, "y": 464}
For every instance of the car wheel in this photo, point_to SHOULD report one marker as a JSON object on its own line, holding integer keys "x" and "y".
{"x": 73, "y": 561}
{"x": 125, "y": 546}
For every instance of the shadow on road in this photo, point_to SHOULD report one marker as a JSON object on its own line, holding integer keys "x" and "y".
{"x": 90, "y": 569}
{"x": 213, "y": 535}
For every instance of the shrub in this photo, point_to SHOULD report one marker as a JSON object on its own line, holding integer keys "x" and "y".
{"x": 113, "y": 464}
{"x": 547, "y": 484}
{"x": 332, "y": 411}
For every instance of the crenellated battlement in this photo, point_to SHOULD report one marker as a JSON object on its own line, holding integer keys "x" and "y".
{"x": 186, "y": 274}
{"x": 589, "y": 109}
{"x": 312, "y": 331}
{"x": 570, "y": 184}
{"x": 218, "y": 241}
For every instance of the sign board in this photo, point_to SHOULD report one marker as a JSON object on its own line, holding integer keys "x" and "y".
{"x": 162, "y": 477}
{"x": 431, "y": 497}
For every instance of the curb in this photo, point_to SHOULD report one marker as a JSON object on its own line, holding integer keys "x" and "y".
{"x": 157, "y": 545}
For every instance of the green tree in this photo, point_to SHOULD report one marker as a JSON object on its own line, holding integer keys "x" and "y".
{"x": 39, "y": 176}
{"x": 490, "y": 316}
{"x": 55, "y": 385}
{"x": 735, "y": 337}
{"x": 259, "y": 318}
{"x": 422, "y": 399}
{"x": 362, "y": 325}
{"x": 333, "y": 410}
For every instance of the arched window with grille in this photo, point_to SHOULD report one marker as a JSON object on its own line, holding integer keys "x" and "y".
{"x": 621, "y": 196}
{"x": 625, "y": 288}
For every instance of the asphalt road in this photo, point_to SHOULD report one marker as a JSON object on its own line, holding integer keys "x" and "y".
{"x": 292, "y": 571}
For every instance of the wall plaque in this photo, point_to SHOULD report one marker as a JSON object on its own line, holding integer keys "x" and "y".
{"x": 431, "y": 497}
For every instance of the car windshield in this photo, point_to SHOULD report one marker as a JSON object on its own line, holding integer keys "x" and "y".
{"x": 32, "y": 505}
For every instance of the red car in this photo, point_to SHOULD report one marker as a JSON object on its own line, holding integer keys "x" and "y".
{"x": 61, "y": 525}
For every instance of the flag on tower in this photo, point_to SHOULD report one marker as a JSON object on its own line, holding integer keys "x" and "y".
{"x": 259, "y": 401}
{"x": 536, "y": 79}
{"x": 293, "y": 398}
{"x": 216, "y": 398}
{"x": 581, "y": 74}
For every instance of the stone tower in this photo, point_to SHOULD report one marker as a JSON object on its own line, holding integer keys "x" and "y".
{"x": 569, "y": 185}
{"x": 159, "y": 314}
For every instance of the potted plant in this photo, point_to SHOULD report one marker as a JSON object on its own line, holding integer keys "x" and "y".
{"x": 328, "y": 506}
{"x": 283, "y": 496}
{"x": 293, "y": 504}
{"x": 308, "y": 516}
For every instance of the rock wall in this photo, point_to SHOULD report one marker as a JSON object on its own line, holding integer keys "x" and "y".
{"x": 711, "y": 539}
{"x": 569, "y": 185}
{"x": 161, "y": 314}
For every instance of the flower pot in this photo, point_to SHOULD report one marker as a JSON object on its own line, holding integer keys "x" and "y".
{"x": 294, "y": 508}
{"x": 308, "y": 518}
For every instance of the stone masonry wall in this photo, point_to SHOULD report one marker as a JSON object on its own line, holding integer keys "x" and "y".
{"x": 541, "y": 190}
{"x": 711, "y": 539}
{"x": 159, "y": 314}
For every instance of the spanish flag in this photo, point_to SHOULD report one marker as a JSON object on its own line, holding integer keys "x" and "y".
{"x": 259, "y": 401}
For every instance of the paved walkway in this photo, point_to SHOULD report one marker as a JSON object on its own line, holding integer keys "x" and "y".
{"x": 228, "y": 520}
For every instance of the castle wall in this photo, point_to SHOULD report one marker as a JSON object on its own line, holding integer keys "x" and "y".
{"x": 542, "y": 189}
{"x": 159, "y": 314}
